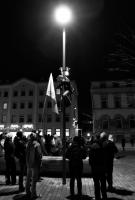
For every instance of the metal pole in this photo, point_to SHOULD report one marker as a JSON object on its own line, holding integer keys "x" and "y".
{"x": 63, "y": 107}
{"x": 64, "y": 50}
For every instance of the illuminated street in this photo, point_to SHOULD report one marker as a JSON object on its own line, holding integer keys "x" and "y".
{"x": 52, "y": 188}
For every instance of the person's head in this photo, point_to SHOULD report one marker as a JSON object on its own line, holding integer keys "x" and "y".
{"x": 103, "y": 136}
{"x": 33, "y": 136}
{"x": 8, "y": 137}
{"x": 19, "y": 134}
{"x": 76, "y": 140}
{"x": 110, "y": 138}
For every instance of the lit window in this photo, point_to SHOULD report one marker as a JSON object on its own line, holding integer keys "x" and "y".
{"x": 58, "y": 132}
{"x": 49, "y": 131}
{"x": 5, "y": 106}
{"x": 67, "y": 132}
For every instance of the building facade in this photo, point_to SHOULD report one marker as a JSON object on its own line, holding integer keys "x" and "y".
{"x": 22, "y": 104}
{"x": 113, "y": 108}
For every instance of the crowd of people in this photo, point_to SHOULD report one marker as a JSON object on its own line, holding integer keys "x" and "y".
{"x": 101, "y": 153}
{"x": 29, "y": 151}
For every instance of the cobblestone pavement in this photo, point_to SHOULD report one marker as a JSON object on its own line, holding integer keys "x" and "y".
{"x": 53, "y": 189}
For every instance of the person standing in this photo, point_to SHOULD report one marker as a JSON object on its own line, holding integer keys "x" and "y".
{"x": 97, "y": 161}
{"x": 123, "y": 142}
{"x": 33, "y": 162}
{"x": 20, "y": 153}
{"x": 111, "y": 150}
{"x": 10, "y": 160}
{"x": 76, "y": 153}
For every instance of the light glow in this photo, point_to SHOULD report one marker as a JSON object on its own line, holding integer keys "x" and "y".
{"x": 63, "y": 15}
{"x": 28, "y": 126}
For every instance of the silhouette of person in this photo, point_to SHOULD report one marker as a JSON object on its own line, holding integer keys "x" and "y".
{"x": 97, "y": 161}
{"x": 76, "y": 152}
{"x": 111, "y": 150}
{"x": 20, "y": 153}
{"x": 123, "y": 142}
{"x": 10, "y": 160}
{"x": 33, "y": 161}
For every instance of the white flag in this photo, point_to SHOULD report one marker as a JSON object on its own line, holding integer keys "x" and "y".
{"x": 51, "y": 93}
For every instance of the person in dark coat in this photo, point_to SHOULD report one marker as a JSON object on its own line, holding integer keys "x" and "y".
{"x": 97, "y": 161}
{"x": 111, "y": 150}
{"x": 123, "y": 142}
{"x": 76, "y": 153}
{"x": 10, "y": 161}
{"x": 20, "y": 153}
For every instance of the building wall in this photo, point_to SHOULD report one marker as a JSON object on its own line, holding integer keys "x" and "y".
{"x": 113, "y": 107}
{"x": 25, "y": 102}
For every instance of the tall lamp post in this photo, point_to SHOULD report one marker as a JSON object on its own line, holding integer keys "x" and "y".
{"x": 63, "y": 16}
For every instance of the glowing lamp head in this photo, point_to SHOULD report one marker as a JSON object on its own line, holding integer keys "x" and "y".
{"x": 63, "y": 15}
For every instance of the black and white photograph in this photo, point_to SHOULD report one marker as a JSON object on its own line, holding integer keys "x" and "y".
{"x": 67, "y": 100}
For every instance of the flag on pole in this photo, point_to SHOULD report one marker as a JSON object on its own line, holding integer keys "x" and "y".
{"x": 51, "y": 93}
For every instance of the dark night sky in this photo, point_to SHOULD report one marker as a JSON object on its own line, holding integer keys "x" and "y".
{"x": 31, "y": 42}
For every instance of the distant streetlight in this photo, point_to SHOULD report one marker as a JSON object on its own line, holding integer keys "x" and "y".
{"x": 63, "y": 17}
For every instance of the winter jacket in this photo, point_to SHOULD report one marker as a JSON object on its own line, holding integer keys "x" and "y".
{"x": 33, "y": 154}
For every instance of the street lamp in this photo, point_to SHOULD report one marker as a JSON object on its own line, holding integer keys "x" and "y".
{"x": 63, "y": 17}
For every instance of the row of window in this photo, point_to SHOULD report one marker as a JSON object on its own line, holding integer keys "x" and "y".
{"x": 29, "y": 118}
{"x": 119, "y": 123}
{"x": 29, "y": 105}
{"x": 118, "y": 101}
{"x": 58, "y": 132}
{"x": 116, "y": 85}
{"x": 22, "y": 93}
